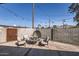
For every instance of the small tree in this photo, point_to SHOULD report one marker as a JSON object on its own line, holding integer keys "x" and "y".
{"x": 54, "y": 26}
{"x": 74, "y": 8}
{"x": 39, "y": 25}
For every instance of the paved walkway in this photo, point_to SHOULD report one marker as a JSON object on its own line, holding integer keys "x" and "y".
{"x": 54, "y": 48}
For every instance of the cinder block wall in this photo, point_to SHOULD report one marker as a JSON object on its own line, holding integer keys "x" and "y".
{"x": 2, "y": 35}
{"x": 66, "y": 35}
{"x": 24, "y": 31}
{"x": 45, "y": 32}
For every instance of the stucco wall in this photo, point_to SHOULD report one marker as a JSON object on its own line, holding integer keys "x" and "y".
{"x": 2, "y": 35}
{"x": 24, "y": 31}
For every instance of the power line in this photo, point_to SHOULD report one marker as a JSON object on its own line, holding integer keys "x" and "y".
{"x": 43, "y": 12}
{"x": 46, "y": 15}
{"x": 15, "y": 14}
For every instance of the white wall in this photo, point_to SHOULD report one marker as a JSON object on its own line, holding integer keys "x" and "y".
{"x": 2, "y": 35}
{"x": 24, "y": 31}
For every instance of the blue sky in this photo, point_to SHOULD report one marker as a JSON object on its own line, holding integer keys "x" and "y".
{"x": 56, "y": 12}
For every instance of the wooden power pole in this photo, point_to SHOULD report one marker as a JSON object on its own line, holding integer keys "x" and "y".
{"x": 33, "y": 15}
{"x": 49, "y": 22}
{"x": 64, "y": 22}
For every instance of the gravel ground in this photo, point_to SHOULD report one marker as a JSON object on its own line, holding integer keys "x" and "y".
{"x": 54, "y": 48}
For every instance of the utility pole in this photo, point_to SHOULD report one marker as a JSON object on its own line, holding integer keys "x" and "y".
{"x": 64, "y": 22}
{"x": 52, "y": 23}
{"x": 33, "y": 7}
{"x": 49, "y": 22}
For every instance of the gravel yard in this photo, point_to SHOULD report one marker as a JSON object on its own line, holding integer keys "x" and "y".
{"x": 54, "y": 48}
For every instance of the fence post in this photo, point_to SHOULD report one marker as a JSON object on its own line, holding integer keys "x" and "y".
{"x": 52, "y": 34}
